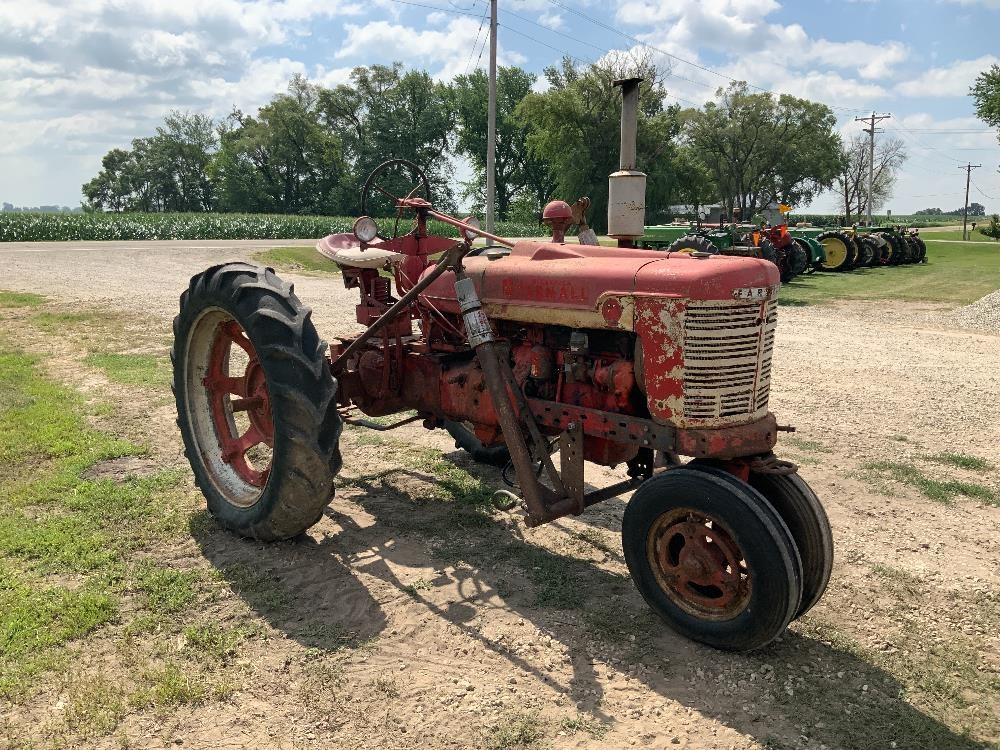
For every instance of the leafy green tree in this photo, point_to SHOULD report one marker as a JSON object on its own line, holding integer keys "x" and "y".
{"x": 576, "y": 124}
{"x": 282, "y": 160}
{"x": 520, "y": 174}
{"x": 993, "y": 228}
{"x": 760, "y": 148}
{"x": 178, "y": 160}
{"x": 164, "y": 172}
{"x": 986, "y": 93}
{"x": 384, "y": 113}
{"x": 110, "y": 189}
{"x": 928, "y": 212}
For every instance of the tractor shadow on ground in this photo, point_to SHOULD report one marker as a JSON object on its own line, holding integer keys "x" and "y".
{"x": 297, "y": 586}
{"x": 797, "y": 686}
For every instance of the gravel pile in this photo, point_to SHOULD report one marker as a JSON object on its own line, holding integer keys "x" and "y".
{"x": 983, "y": 313}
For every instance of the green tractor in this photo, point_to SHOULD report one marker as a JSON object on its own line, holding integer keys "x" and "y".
{"x": 775, "y": 244}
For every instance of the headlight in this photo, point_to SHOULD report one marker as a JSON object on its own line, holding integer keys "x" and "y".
{"x": 472, "y": 221}
{"x": 365, "y": 228}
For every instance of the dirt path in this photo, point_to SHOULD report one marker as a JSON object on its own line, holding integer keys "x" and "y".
{"x": 464, "y": 635}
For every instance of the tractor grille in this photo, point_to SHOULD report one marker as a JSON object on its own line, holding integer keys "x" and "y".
{"x": 727, "y": 360}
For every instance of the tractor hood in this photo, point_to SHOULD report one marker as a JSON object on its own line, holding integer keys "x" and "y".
{"x": 589, "y": 286}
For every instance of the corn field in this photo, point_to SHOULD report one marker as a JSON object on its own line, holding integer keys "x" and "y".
{"x": 55, "y": 227}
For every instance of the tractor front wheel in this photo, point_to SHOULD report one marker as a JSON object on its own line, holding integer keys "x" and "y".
{"x": 256, "y": 402}
{"x": 712, "y": 558}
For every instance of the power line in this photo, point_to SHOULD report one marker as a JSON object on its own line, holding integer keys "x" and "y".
{"x": 437, "y": 8}
{"x": 978, "y": 190}
{"x": 476, "y": 43}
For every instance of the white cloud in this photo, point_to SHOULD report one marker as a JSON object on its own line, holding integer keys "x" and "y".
{"x": 551, "y": 20}
{"x": 435, "y": 48}
{"x": 741, "y": 30}
{"x": 950, "y": 80}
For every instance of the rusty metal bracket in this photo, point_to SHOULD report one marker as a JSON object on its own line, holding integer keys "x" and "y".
{"x": 618, "y": 427}
{"x": 571, "y": 464}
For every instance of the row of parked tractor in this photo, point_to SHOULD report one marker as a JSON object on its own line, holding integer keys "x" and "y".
{"x": 794, "y": 249}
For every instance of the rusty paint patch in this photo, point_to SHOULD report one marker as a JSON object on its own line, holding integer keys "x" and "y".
{"x": 659, "y": 322}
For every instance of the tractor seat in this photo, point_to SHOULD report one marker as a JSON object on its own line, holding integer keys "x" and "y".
{"x": 343, "y": 249}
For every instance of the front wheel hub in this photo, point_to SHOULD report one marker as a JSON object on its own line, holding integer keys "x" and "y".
{"x": 698, "y": 564}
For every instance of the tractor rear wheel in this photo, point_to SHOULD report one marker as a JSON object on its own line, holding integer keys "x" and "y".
{"x": 465, "y": 438}
{"x": 839, "y": 251}
{"x": 865, "y": 252}
{"x": 693, "y": 243}
{"x": 256, "y": 401}
{"x": 922, "y": 256}
{"x": 712, "y": 558}
{"x": 798, "y": 259}
{"x": 807, "y": 252}
{"x": 873, "y": 252}
{"x": 896, "y": 252}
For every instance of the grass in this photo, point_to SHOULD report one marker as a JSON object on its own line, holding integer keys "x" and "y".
{"x": 955, "y": 274}
{"x": 132, "y": 369}
{"x": 296, "y": 260}
{"x": 963, "y": 461}
{"x": 587, "y": 724}
{"x": 66, "y": 542}
{"x": 515, "y": 730}
{"x": 810, "y": 446}
{"x": 20, "y": 299}
{"x": 955, "y": 235}
{"x": 166, "y": 590}
{"x": 934, "y": 489}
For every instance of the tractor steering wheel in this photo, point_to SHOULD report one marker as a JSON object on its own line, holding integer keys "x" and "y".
{"x": 389, "y": 182}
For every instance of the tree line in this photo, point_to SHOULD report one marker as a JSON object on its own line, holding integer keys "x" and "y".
{"x": 310, "y": 148}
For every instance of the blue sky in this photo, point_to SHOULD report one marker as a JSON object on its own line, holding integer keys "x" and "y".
{"x": 78, "y": 77}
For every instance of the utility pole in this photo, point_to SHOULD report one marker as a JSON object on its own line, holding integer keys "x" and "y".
{"x": 491, "y": 123}
{"x": 968, "y": 178}
{"x": 871, "y": 155}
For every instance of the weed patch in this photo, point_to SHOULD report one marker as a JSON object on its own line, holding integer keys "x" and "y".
{"x": 513, "y": 731}
{"x": 934, "y": 489}
{"x": 962, "y": 461}
{"x": 20, "y": 299}
{"x": 131, "y": 369}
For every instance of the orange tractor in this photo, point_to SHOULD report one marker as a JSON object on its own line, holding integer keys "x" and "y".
{"x": 609, "y": 355}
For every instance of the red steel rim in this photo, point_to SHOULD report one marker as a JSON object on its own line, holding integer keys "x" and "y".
{"x": 698, "y": 564}
{"x": 229, "y": 394}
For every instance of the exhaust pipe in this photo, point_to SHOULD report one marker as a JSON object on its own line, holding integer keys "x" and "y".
{"x": 630, "y": 122}
{"x": 627, "y": 186}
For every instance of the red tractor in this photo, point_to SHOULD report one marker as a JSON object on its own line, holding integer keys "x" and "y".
{"x": 612, "y": 355}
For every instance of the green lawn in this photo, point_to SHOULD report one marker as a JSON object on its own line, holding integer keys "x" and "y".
{"x": 954, "y": 234}
{"x": 305, "y": 260}
{"x": 955, "y": 273}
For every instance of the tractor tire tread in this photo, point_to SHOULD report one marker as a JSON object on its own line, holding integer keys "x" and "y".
{"x": 306, "y": 456}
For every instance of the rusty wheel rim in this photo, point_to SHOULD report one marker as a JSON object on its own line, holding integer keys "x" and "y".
{"x": 698, "y": 564}
{"x": 230, "y": 407}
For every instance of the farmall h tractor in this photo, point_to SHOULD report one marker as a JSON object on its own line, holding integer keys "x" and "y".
{"x": 616, "y": 355}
